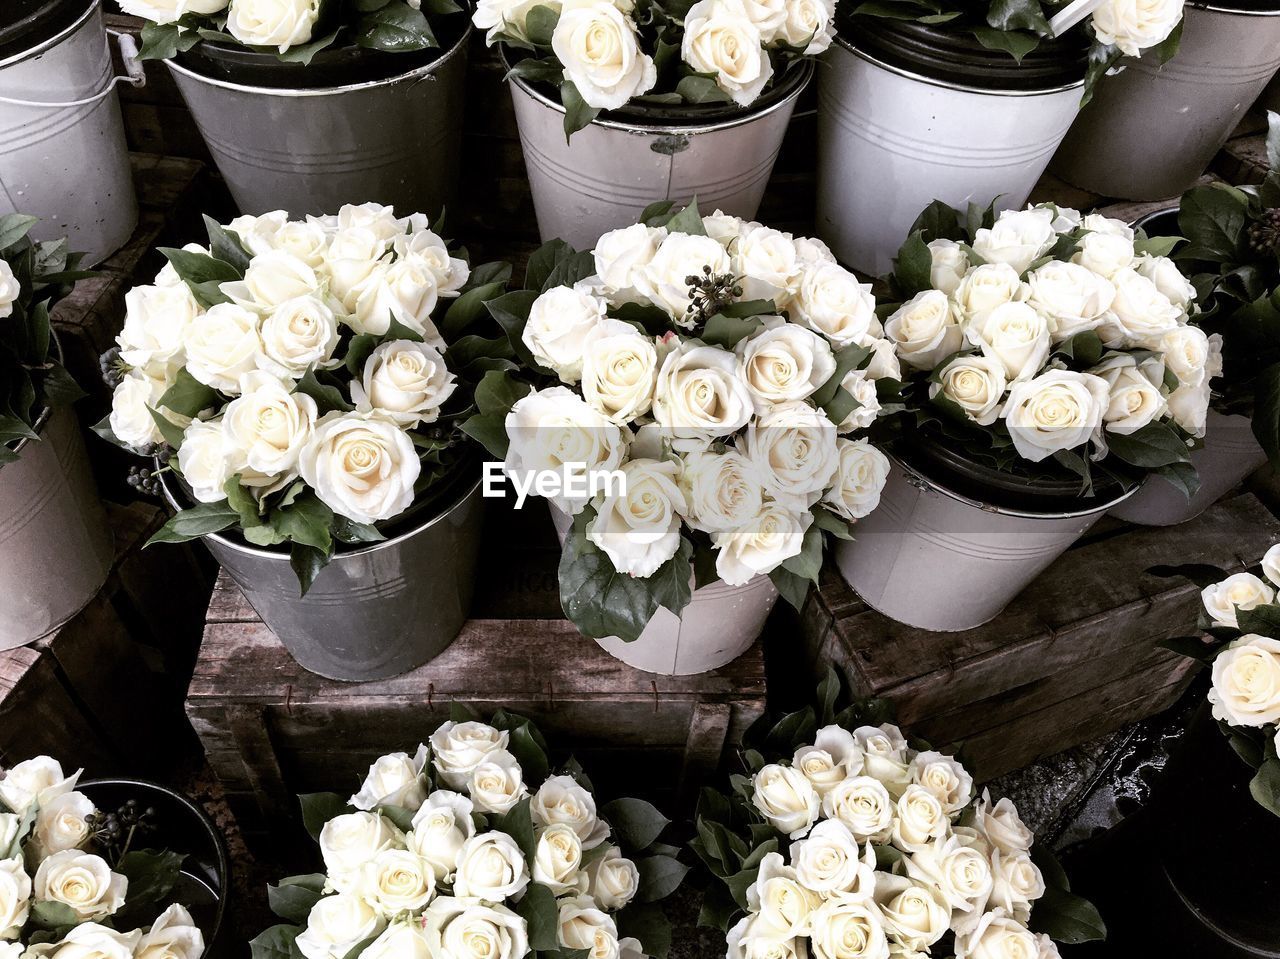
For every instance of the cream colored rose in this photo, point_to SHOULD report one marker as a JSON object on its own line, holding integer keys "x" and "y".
{"x": 761, "y": 545}
{"x": 986, "y": 287}
{"x": 429, "y": 253}
{"x": 561, "y": 800}
{"x": 83, "y": 882}
{"x": 795, "y": 448}
{"x": 720, "y": 39}
{"x": 664, "y": 280}
{"x": 506, "y": 16}
{"x": 1048, "y": 948}
{"x": 1135, "y": 397}
{"x": 1071, "y": 297}
{"x": 1057, "y": 410}
{"x": 15, "y": 897}
{"x": 305, "y": 239}
{"x": 205, "y": 460}
{"x": 559, "y": 324}
{"x": 767, "y": 262}
{"x": 156, "y": 320}
{"x": 724, "y": 228}
{"x": 619, "y": 371}
{"x": 976, "y": 384}
{"x": 1106, "y": 254}
{"x": 1015, "y": 335}
{"x": 266, "y": 429}
{"x": 812, "y": 251}
{"x": 401, "y": 940}
{"x": 458, "y": 748}
{"x": 37, "y": 781}
{"x": 1136, "y": 25}
{"x": 915, "y": 914}
{"x": 809, "y": 24}
{"x": 753, "y": 938}
{"x": 491, "y": 867}
{"x": 1189, "y": 407}
{"x": 828, "y": 862}
{"x": 700, "y": 395}
{"x": 89, "y": 940}
{"x": 404, "y": 381}
{"x": 468, "y": 929}
{"x": 396, "y": 881}
{"x": 998, "y": 936}
{"x": 349, "y": 842}
{"x": 831, "y": 301}
{"x": 1140, "y": 314}
{"x": 1097, "y": 223}
{"x": 1017, "y": 238}
{"x": 441, "y": 827}
{"x": 412, "y": 285}
{"x": 613, "y": 880}
{"x": 834, "y": 756}
{"x": 863, "y": 390}
{"x": 925, "y": 330}
{"x": 273, "y": 23}
{"x": 864, "y": 805}
{"x": 10, "y": 288}
{"x": 223, "y": 345}
{"x": 61, "y": 824}
{"x": 1241, "y": 591}
{"x": 846, "y": 928}
{"x": 884, "y": 361}
{"x": 786, "y": 799}
{"x": 1246, "y": 682}
{"x": 767, "y": 15}
{"x": 1271, "y": 565}
{"x": 944, "y": 777}
{"x": 1016, "y": 884}
{"x": 361, "y": 466}
{"x": 960, "y": 873}
{"x": 170, "y": 11}
{"x": 582, "y": 924}
{"x": 884, "y": 756}
{"x": 557, "y": 862}
{"x": 132, "y": 401}
{"x": 1000, "y": 825}
{"x": 497, "y": 784}
{"x": 257, "y": 234}
{"x": 354, "y": 255}
{"x": 1169, "y": 280}
{"x": 337, "y": 924}
{"x": 639, "y": 528}
{"x": 921, "y": 819}
{"x": 784, "y": 362}
{"x": 600, "y": 50}
{"x": 271, "y": 280}
{"x": 174, "y": 935}
{"x": 860, "y": 479}
{"x": 782, "y": 902}
{"x": 722, "y": 491}
{"x": 397, "y": 780}
{"x": 948, "y": 265}
{"x": 1186, "y": 353}
{"x": 298, "y": 334}
{"x": 621, "y": 257}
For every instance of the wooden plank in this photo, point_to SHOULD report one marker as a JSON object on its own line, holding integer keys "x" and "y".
{"x": 1243, "y": 160}
{"x": 38, "y": 716}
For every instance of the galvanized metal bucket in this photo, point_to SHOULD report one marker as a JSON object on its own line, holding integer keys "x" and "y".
{"x": 63, "y": 156}
{"x": 1151, "y": 130}
{"x": 55, "y": 546}
{"x": 932, "y": 558}
{"x": 720, "y": 623}
{"x": 374, "y": 612}
{"x": 608, "y": 172}
{"x": 890, "y": 141}
{"x": 394, "y": 141}
{"x": 1231, "y": 452}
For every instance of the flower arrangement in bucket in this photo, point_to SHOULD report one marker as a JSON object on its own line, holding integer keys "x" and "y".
{"x": 76, "y": 881}
{"x": 474, "y": 846}
{"x": 846, "y": 839}
{"x": 716, "y": 364}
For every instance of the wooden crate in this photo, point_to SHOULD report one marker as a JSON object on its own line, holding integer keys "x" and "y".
{"x": 1071, "y": 658}
{"x": 271, "y": 730}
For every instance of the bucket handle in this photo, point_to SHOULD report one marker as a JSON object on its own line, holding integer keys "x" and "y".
{"x": 1071, "y": 14}
{"x": 134, "y": 76}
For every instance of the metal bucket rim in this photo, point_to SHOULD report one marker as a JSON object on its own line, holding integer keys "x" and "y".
{"x": 462, "y": 498}
{"x": 54, "y": 40}
{"x": 947, "y": 85}
{"x": 1003, "y": 510}
{"x": 1234, "y": 11}
{"x": 749, "y": 117}
{"x": 293, "y": 92}
{"x": 1146, "y": 218}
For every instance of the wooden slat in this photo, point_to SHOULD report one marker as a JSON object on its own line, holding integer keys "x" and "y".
{"x": 38, "y": 716}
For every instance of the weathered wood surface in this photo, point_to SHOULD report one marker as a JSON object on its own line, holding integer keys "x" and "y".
{"x": 1072, "y": 657}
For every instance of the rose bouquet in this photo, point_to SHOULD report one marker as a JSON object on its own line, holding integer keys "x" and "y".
{"x": 33, "y": 278}
{"x": 471, "y": 848}
{"x": 294, "y": 30}
{"x": 848, "y": 842}
{"x": 713, "y": 362}
{"x": 1051, "y": 344}
{"x": 304, "y": 378}
{"x": 71, "y": 881}
{"x": 602, "y": 55}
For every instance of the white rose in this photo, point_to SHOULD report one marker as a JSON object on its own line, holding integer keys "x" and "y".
{"x": 10, "y": 289}
{"x": 396, "y": 881}
{"x": 361, "y": 466}
{"x": 257, "y": 234}
{"x": 924, "y": 329}
{"x": 1048, "y": 948}
{"x": 89, "y": 940}
{"x": 811, "y": 250}
{"x": 271, "y": 280}
{"x": 397, "y": 780}
{"x": 15, "y": 897}
{"x": 795, "y": 448}
{"x": 205, "y": 460}
{"x": 724, "y": 228}
{"x": 767, "y": 262}
{"x": 1186, "y": 352}
{"x": 831, "y": 301}
{"x": 600, "y": 50}
{"x": 402, "y": 940}
{"x": 497, "y": 783}
{"x": 1057, "y": 410}
{"x": 767, "y": 15}
{"x": 378, "y": 217}
{"x": 808, "y": 22}
{"x": 273, "y": 23}
{"x": 960, "y": 873}
{"x": 469, "y": 929}
{"x": 37, "y": 781}
{"x": 304, "y": 239}
{"x": 752, "y": 938}
{"x": 621, "y": 256}
{"x": 1097, "y": 223}
{"x": 223, "y": 345}
{"x": 350, "y": 841}
{"x": 639, "y": 529}
{"x": 864, "y": 805}
{"x": 619, "y": 371}
{"x": 1106, "y": 254}
{"x": 948, "y": 264}
{"x": 915, "y": 914}
{"x": 1016, "y": 883}
{"x": 1169, "y": 280}
{"x": 976, "y": 384}
{"x": 170, "y": 11}
{"x": 82, "y": 881}
{"x": 412, "y": 288}
{"x": 860, "y": 479}
{"x": 1135, "y": 398}
{"x": 353, "y": 256}
{"x": 700, "y": 395}
{"x": 298, "y": 334}
{"x": 986, "y": 287}
{"x": 945, "y": 778}
{"x": 1071, "y": 297}
{"x": 678, "y": 257}
{"x": 132, "y": 401}
{"x": 1000, "y": 825}
{"x": 1136, "y": 25}
{"x": 156, "y": 319}
{"x": 1018, "y": 238}
{"x": 458, "y": 748}
{"x": 559, "y": 323}
{"x": 921, "y": 819}
{"x": 557, "y": 861}
{"x": 441, "y": 827}
{"x": 174, "y": 935}
{"x": 884, "y": 361}
{"x": 613, "y": 880}
{"x": 1015, "y": 335}
{"x": 1241, "y": 591}
{"x": 61, "y": 825}
{"x": 722, "y": 490}
{"x": 405, "y": 381}
{"x": 560, "y": 800}
{"x": 761, "y": 545}
{"x": 786, "y": 799}
{"x": 998, "y": 936}
{"x": 828, "y": 862}
{"x": 1065, "y": 219}
{"x": 1189, "y": 407}
{"x": 884, "y": 756}
{"x": 337, "y": 924}
{"x": 430, "y": 254}
{"x": 1271, "y": 565}
{"x": 1140, "y": 314}
{"x": 784, "y": 362}
{"x": 863, "y": 390}
{"x": 266, "y": 429}
{"x": 1246, "y": 682}
{"x": 834, "y": 756}
{"x": 719, "y": 38}
{"x": 846, "y": 928}
{"x": 781, "y": 901}
{"x": 581, "y": 924}
{"x": 506, "y": 16}
{"x": 491, "y": 867}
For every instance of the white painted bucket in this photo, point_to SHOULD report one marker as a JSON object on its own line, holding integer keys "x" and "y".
{"x": 63, "y": 156}
{"x": 891, "y": 141}
{"x": 1150, "y": 131}
{"x": 720, "y": 623}
{"x": 55, "y": 546}
{"x": 932, "y": 558}
{"x": 1231, "y": 452}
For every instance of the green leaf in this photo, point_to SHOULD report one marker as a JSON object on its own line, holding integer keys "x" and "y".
{"x": 577, "y": 113}
{"x": 1263, "y": 620}
{"x": 197, "y": 269}
{"x": 302, "y": 53}
{"x": 688, "y": 220}
{"x": 657, "y": 213}
{"x": 60, "y": 388}
{"x": 1181, "y": 476}
{"x": 540, "y": 23}
{"x": 660, "y": 876}
{"x": 636, "y": 824}
{"x": 728, "y": 331}
{"x": 1266, "y": 412}
{"x": 646, "y": 922}
{"x": 538, "y": 909}
{"x": 328, "y": 398}
{"x": 1192, "y": 647}
{"x": 518, "y": 824}
{"x": 538, "y": 71}
{"x": 938, "y": 221}
{"x": 1213, "y": 219}
{"x": 400, "y": 817}
{"x": 829, "y": 522}
{"x": 188, "y": 396}
{"x": 1156, "y": 245}
{"x": 278, "y": 942}
{"x": 1156, "y": 444}
{"x": 152, "y": 874}
{"x": 541, "y": 262}
{"x": 349, "y": 531}
{"x": 847, "y": 360}
{"x": 197, "y": 521}
{"x": 699, "y": 89}
{"x": 319, "y": 808}
{"x": 172, "y": 433}
{"x": 46, "y": 914}
{"x": 468, "y": 308}
{"x": 1017, "y": 44}
{"x": 395, "y": 28}
{"x": 1018, "y": 15}
{"x": 529, "y": 754}
{"x": 164, "y": 41}
{"x": 306, "y": 522}
{"x": 794, "y": 589}
{"x": 511, "y": 311}
{"x": 1066, "y": 917}
{"x": 807, "y": 564}
{"x": 15, "y": 226}
{"x": 913, "y": 266}
{"x": 225, "y": 245}
{"x": 1084, "y": 349}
